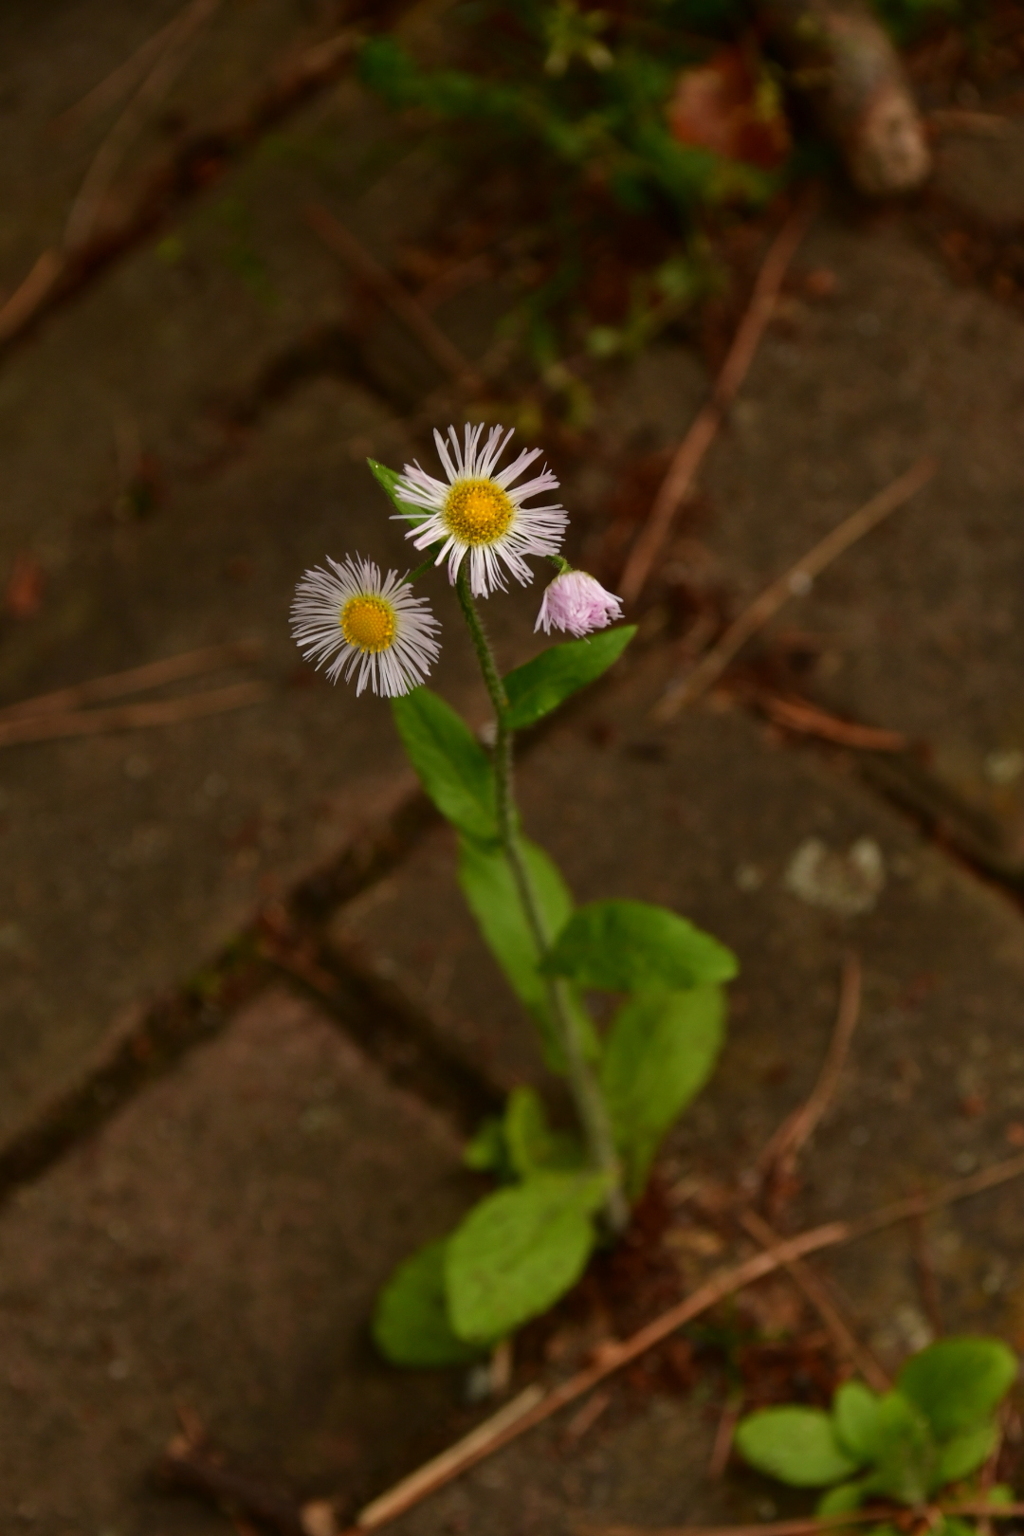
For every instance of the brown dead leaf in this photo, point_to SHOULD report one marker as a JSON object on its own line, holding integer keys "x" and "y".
{"x": 24, "y": 591}
{"x": 732, "y": 106}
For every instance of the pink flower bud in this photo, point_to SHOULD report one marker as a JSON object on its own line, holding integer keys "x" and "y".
{"x": 576, "y": 603}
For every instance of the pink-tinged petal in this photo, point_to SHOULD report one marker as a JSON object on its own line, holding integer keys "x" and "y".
{"x": 577, "y": 604}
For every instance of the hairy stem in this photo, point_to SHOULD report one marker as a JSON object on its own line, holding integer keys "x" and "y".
{"x": 583, "y": 1084}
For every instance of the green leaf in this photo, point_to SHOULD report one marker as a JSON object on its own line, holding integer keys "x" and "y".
{"x": 855, "y": 1415}
{"x": 964, "y": 1453}
{"x": 658, "y": 1053}
{"x": 532, "y": 1145}
{"x": 842, "y": 1499}
{"x": 453, "y": 767}
{"x": 388, "y": 479}
{"x": 518, "y": 1251}
{"x": 492, "y": 897}
{"x": 410, "y": 1323}
{"x": 951, "y": 1526}
{"x": 630, "y": 946}
{"x": 796, "y": 1445}
{"x": 539, "y": 686}
{"x": 956, "y": 1382}
{"x": 906, "y": 1455}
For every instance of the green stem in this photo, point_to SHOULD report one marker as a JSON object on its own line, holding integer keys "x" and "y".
{"x": 583, "y": 1083}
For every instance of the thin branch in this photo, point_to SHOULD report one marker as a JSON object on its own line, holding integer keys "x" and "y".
{"x": 131, "y": 717}
{"x": 780, "y": 1154}
{"x": 472, "y": 1447}
{"x": 402, "y": 303}
{"x": 690, "y": 453}
{"x": 118, "y": 83}
{"x": 31, "y": 293}
{"x": 613, "y": 1355}
{"x": 794, "y": 583}
{"x": 800, "y": 715}
{"x": 172, "y": 669}
{"x": 812, "y": 1287}
{"x": 170, "y": 60}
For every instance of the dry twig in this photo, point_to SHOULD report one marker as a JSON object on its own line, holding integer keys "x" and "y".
{"x": 172, "y": 669}
{"x": 778, "y": 1159}
{"x": 408, "y": 309}
{"x": 794, "y": 583}
{"x": 130, "y": 717}
{"x": 690, "y": 453}
{"x": 497, "y": 1432}
{"x": 812, "y": 1287}
{"x": 170, "y": 59}
{"x": 809, "y": 720}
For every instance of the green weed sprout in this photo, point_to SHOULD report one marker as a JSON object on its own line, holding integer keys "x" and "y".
{"x": 917, "y": 1446}
{"x": 559, "y": 1192}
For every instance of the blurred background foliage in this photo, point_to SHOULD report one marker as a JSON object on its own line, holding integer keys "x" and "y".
{"x": 622, "y": 142}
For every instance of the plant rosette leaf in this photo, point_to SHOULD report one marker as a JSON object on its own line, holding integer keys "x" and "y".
{"x": 539, "y": 686}
{"x": 410, "y": 1322}
{"x": 964, "y": 1453}
{"x": 855, "y": 1416}
{"x": 958, "y": 1382}
{"x": 631, "y": 946}
{"x": 452, "y": 766}
{"x": 797, "y": 1445}
{"x": 843, "y": 1499}
{"x": 906, "y": 1455}
{"x": 518, "y": 1251}
{"x": 491, "y": 895}
{"x": 388, "y": 480}
{"x": 658, "y": 1053}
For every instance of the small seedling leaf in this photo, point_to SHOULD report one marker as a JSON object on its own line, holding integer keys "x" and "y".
{"x": 958, "y": 1382}
{"x": 796, "y": 1445}
{"x": 539, "y": 686}
{"x": 410, "y": 1323}
{"x": 492, "y": 897}
{"x": 485, "y": 1152}
{"x": 855, "y": 1415}
{"x": 657, "y": 1055}
{"x": 518, "y": 1251}
{"x": 964, "y": 1453}
{"x": 631, "y": 946}
{"x": 453, "y": 767}
{"x": 533, "y": 1147}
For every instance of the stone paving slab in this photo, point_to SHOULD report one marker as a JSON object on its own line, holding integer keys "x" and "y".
{"x": 218, "y": 1248}
{"x": 921, "y": 623}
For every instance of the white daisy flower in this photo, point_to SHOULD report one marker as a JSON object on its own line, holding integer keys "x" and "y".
{"x": 376, "y": 627}
{"x": 481, "y": 514}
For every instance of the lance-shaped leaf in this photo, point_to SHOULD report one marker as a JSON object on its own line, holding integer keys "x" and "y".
{"x": 518, "y": 1251}
{"x": 855, "y": 1413}
{"x": 657, "y": 1055}
{"x": 630, "y": 946}
{"x": 388, "y": 480}
{"x": 410, "y": 1322}
{"x": 539, "y": 686}
{"x": 493, "y": 898}
{"x": 453, "y": 767}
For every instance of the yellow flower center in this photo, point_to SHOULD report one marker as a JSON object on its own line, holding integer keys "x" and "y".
{"x": 478, "y": 511}
{"x": 368, "y": 623}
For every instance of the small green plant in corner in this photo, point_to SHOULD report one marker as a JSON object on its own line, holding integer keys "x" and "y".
{"x": 918, "y": 1445}
{"x": 559, "y": 1191}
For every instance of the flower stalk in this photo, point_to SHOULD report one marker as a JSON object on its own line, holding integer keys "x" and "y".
{"x": 583, "y": 1084}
